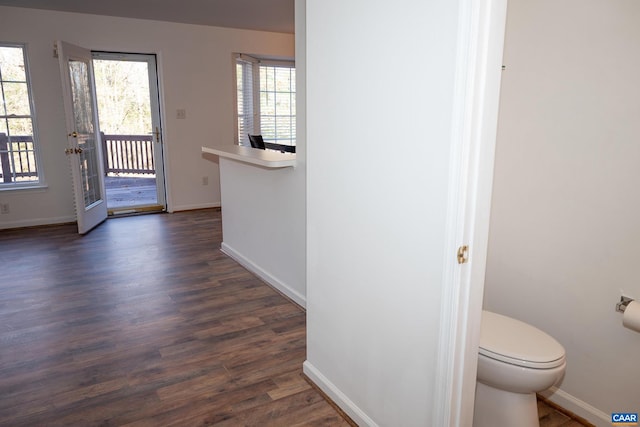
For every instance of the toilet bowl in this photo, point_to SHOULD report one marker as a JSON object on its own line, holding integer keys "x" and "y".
{"x": 515, "y": 361}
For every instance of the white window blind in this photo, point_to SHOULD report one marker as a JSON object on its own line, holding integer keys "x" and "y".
{"x": 278, "y": 103}
{"x": 246, "y": 113}
{"x": 265, "y": 100}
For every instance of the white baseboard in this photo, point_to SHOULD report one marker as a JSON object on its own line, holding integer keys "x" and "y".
{"x": 282, "y": 287}
{"x": 179, "y": 208}
{"x": 578, "y": 407}
{"x": 339, "y": 398}
{"x": 37, "y": 221}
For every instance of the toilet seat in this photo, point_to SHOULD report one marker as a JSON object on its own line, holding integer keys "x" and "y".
{"x": 511, "y": 341}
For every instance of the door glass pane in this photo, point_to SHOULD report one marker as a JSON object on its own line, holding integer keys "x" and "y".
{"x": 90, "y": 178}
{"x": 81, "y": 93}
{"x": 83, "y": 120}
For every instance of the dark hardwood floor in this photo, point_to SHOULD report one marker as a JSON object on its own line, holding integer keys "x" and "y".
{"x": 144, "y": 322}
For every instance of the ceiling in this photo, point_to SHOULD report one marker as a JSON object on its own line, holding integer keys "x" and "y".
{"x": 263, "y": 15}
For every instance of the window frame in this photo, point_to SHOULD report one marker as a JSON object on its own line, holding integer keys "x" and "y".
{"x": 40, "y": 181}
{"x": 256, "y": 62}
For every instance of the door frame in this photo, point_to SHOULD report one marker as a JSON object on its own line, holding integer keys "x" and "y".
{"x": 157, "y": 117}
{"x": 481, "y": 34}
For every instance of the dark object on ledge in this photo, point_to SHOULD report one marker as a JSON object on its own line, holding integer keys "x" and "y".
{"x": 283, "y": 148}
{"x": 256, "y": 141}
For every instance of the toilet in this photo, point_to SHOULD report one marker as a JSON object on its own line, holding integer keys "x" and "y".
{"x": 515, "y": 361}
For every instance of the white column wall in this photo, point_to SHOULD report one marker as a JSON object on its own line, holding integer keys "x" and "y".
{"x": 380, "y": 79}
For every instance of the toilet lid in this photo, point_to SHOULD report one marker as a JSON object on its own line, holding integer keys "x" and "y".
{"x": 518, "y": 343}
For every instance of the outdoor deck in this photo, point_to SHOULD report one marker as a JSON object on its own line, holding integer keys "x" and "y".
{"x": 130, "y": 169}
{"x": 130, "y": 191}
{"x": 129, "y": 165}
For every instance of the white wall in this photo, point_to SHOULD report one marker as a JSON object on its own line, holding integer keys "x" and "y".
{"x": 564, "y": 227}
{"x": 380, "y": 82}
{"x": 195, "y": 72}
{"x": 263, "y": 222}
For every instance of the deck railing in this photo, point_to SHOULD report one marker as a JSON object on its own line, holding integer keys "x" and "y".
{"x": 128, "y": 154}
{"x": 17, "y": 158}
{"x": 132, "y": 154}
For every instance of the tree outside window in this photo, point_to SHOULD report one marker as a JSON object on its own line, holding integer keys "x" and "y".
{"x": 18, "y": 156}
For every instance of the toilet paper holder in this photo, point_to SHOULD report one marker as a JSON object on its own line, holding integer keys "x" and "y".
{"x": 622, "y": 305}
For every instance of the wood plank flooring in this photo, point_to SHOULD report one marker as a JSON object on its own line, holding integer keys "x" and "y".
{"x": 144, "y": 322}
{"x": 551, "y": 417}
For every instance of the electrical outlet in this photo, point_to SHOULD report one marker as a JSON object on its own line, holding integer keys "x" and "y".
{"x": 181, "y": 113}
{"x": 4, "y": 208}
{"x": 205, "y": 180}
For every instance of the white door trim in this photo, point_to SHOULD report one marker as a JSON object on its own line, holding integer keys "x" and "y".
{"x": 481, "y": 40}
{"x": 151, "y": 59}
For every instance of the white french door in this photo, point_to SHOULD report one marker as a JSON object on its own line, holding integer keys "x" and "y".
{"x": 83, "y": 135}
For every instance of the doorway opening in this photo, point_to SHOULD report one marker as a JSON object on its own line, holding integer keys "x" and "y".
{"x": 130, "y": 132}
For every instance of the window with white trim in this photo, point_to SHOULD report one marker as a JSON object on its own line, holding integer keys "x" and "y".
{"x": 265, "y": 100}
{"x": 18, "y": 144}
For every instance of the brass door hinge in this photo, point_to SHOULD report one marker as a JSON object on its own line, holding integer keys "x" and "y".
{"x": 463, "y": 254}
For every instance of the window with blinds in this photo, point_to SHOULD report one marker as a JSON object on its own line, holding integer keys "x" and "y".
{"x": 246, "y": 121}
{"x": 266, "y": 100}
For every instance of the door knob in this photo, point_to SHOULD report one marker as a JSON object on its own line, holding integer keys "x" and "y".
{"x": 74, "y": 134}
